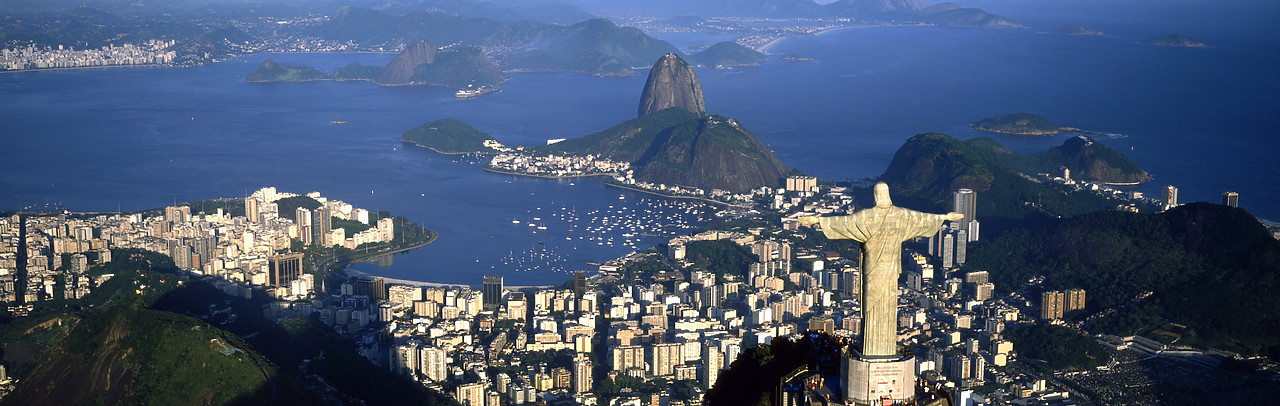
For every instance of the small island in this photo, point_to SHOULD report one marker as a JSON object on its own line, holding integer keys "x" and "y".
{"x": 450, "y": 136}
{"x": 1076, "y": 30}
{"x": 727, "y": 54}
{"x": 1017, "y": 124}
{"x": 467, "y": 69}
{"x": 1174, "y": 40}
{"x": 270, "y": 71}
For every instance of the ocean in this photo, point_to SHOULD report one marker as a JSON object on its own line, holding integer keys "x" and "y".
{"x": 1203, "y": 120}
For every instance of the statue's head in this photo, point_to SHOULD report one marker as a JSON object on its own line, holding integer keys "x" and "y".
{"x": 882, "y": 195}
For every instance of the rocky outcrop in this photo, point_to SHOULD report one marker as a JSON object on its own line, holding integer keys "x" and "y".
{"x": 1175, "y": 40}
{"x": 401, "y": 68}
{"x": 671, "y": 84}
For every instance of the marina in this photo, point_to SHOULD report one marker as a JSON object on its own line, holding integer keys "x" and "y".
{"x": 635, "y": 224}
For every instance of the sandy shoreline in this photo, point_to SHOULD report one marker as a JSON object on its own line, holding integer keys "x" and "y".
{"x": 765, "y": 48}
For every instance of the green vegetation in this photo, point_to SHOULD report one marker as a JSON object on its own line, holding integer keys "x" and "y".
{"x": 929, "y": 168}
{"x": 448, "y": 136}
{"x": 1019, "y": 123}
{"x": 677, "y": 147}
{"x": 270, "y": 71}
{"x": 460, "y": 68}
{"x": 351, "y": 226}
{"x": 1211, "y": 268}
{"x": 722, "y": 257}
{"x": 607, "y": 389}
{"x": 1088, "y": 160}
{"x": 230, "y": 207}
{"x": 288, "y": 207}
{"x": 727, "y": 53}
{"x": 356, "y": 71}
{"x": 1059, "y": 347}
{"x": 1174, "y": 40}
{"x": 754, "y": 376}
{"x": 337, "y": 362}
{"x": 154, "y": 357}
{"x": 941, "y": 14}
{"x": 625, "y": 142}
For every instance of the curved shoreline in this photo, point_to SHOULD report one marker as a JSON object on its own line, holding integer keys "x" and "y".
{"x": 703, "y": 199}
{"x": 442, "y": 152}
{"x": 488, "y": 169}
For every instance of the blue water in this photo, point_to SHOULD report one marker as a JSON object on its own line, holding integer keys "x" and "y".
{"x": 1204, "y": 120}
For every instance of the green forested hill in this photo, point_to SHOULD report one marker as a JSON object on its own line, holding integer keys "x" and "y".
{"x": 1209, "y": 267}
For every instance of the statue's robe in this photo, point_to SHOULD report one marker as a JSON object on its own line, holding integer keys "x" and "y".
{"x": 881, "y": 230}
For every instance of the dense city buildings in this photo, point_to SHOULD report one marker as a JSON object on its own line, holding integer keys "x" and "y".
{"x": 647, "y": 316}
{"x": 31, "y": 57}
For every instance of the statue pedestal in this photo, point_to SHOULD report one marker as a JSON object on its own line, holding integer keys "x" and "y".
{"x": 877, "y": 381}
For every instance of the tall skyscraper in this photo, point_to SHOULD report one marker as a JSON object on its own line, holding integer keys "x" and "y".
{"x": 801, "y": 183}
{"x": 625, "y": 357}
{"x": 579, "y": 284}
{"x": 1231, "y": 199}
{"x": 663, "y": 358}
{"x": 492, "y": 292}
{"x": 302, "y": 218}
{"x": 321, "y": 225}
{"x": 966, "y": 203}
{"x": 434, "y": 365}
{"x": 948, "y": 250}
{"x": 252, "y": 210}
{"x": 470, "y": 394}
{"x": 582, "y": 375}
{"x": 1074, "y": 300}
{"x": 1170, "y": 197}
{"x": 282, "y": 269}
{"x": 1051, "y": 305}
{"x": 712, "y": 362}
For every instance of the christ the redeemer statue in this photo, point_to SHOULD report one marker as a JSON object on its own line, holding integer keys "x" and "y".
{"x": 881, "y": 230}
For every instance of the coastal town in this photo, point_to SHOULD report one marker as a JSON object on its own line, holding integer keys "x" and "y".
{"x": 30, "y": 57}
{"x": 657, "y": 326}
{"x": 620, "y": 174}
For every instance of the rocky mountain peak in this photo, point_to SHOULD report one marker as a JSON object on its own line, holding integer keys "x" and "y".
{"x": 671, "y": 83}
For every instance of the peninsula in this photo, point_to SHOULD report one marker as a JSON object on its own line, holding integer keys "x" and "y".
{"x": 451, "y": 136}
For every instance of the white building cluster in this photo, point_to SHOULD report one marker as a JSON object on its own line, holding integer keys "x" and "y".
{"x": 556, "y": 165}
{"x": 152, "y": 52}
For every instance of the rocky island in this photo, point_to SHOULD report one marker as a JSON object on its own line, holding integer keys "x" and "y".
{"x": 1076, "y": 30}
{"x": 1018, "y": 124}
{"x": 450, "y": 136}
{"x": 465, "y": 68}
{"x": 270, "y": 71}
{"x": 1174, "y": 40}
{"x": 727, "y": 54}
